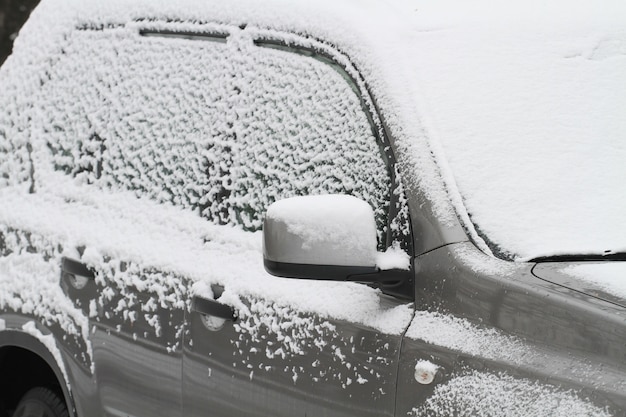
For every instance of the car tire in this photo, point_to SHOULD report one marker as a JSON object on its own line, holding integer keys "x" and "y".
{"x": 41, "y": 402}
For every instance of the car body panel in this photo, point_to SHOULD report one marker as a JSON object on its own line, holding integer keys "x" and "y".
{"x": 276, "y": 361}
{"x": 563, "y": 327}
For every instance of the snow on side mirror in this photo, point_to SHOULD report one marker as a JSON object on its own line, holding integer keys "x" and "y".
{"x": 319, "y": 237}
{"x": 322, "y": 237}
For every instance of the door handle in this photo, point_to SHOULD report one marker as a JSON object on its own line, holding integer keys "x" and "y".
{"x": 76, "y": 268}
{"x": 77, "y": 274}
{"x": 213, "y": 308}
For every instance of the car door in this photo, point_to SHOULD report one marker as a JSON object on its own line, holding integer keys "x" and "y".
{"x": 259, "y": 345}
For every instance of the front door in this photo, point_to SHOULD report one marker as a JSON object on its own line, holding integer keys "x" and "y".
{"x": 257, "y": 345}
{"x": 276, "y": 361}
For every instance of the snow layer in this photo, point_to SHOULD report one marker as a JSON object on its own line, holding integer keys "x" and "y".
{"x": 332, "y": 229}
{"x": 509, "y": 98}
{"x": 610, "y": 276}
{"x": 461, "y": 335}
{"x": 512, "y": 98}
{"x": 480, "y": 394}
{"x": 201, "y": 126}
{"x": 527, "y": 101}
{"x": 508, "y": 116}
{"x": 204, "y": 124}
{"x": 30, "y": 285}
{"x": 148, "y": 236}
{"x": 393, "y": 258}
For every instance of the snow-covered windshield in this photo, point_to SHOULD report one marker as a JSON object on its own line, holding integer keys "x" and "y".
{"x": 529, "y": 111}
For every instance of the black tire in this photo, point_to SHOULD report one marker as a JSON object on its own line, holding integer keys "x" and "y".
{"x": 41, "y": 402}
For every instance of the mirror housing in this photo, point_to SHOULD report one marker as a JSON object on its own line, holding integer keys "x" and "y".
{"x": 334, "y": 230}
{"x": 324, "y": 237}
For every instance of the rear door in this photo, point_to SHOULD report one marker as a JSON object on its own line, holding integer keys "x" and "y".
{"x": 121, "y": 121}
{"x": 264, "y": 346}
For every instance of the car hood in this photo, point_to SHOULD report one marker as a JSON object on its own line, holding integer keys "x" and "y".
{"x": 604, "y": 280}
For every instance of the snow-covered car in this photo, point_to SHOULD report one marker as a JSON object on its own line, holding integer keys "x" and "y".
{"x": 330, "y": 208}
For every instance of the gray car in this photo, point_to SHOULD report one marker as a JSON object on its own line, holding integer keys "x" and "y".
{"x": 300, "y": 210}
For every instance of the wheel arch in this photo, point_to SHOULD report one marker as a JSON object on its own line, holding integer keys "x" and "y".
{"x": 25, "y": 362}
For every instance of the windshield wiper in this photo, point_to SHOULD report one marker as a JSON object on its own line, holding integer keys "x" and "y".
{"x": 613, "y": 256}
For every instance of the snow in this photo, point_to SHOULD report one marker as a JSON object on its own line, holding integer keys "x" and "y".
{"x": 527, "y": 101}
{"x": 168, "y": 119}
{"x": 274, "y": 335}
{"x": 30, "y": 285}
{"x": 426, "y": 366}
{"x": 147, "y": 140}
{"x": 481, "y": 263}
{"x": 425, "y": 371}
{"x": 610, "y": 276}
{"x": 499, "y": 395}
{"x": 512, "y": 98}
{"x": 461, "y": 335}
{"x": 332, "y": 229}
{"x": 176, "y": 242}
{"x": 393, "y": 258}
{"x": 480, "y": 392}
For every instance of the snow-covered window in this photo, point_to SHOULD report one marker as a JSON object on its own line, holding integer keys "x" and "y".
{"x": 212, "y": 123}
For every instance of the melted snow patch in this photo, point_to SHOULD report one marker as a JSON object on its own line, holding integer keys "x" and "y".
{"x": 480, "y": 394}
{"x": 610, "y": 276}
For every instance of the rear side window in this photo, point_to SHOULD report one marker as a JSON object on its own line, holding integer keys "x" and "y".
{"x": 223, "y": 127}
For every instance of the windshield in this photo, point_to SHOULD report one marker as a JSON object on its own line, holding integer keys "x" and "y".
{"x": 530, "y": 117}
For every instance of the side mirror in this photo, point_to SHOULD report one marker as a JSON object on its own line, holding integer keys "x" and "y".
{"x": 331, "y": 237}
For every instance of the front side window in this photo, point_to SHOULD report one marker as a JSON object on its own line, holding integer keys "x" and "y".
{"x": 210, "y": 122}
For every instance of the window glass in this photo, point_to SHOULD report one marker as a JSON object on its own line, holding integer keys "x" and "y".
{"x": 209, "y": 125}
